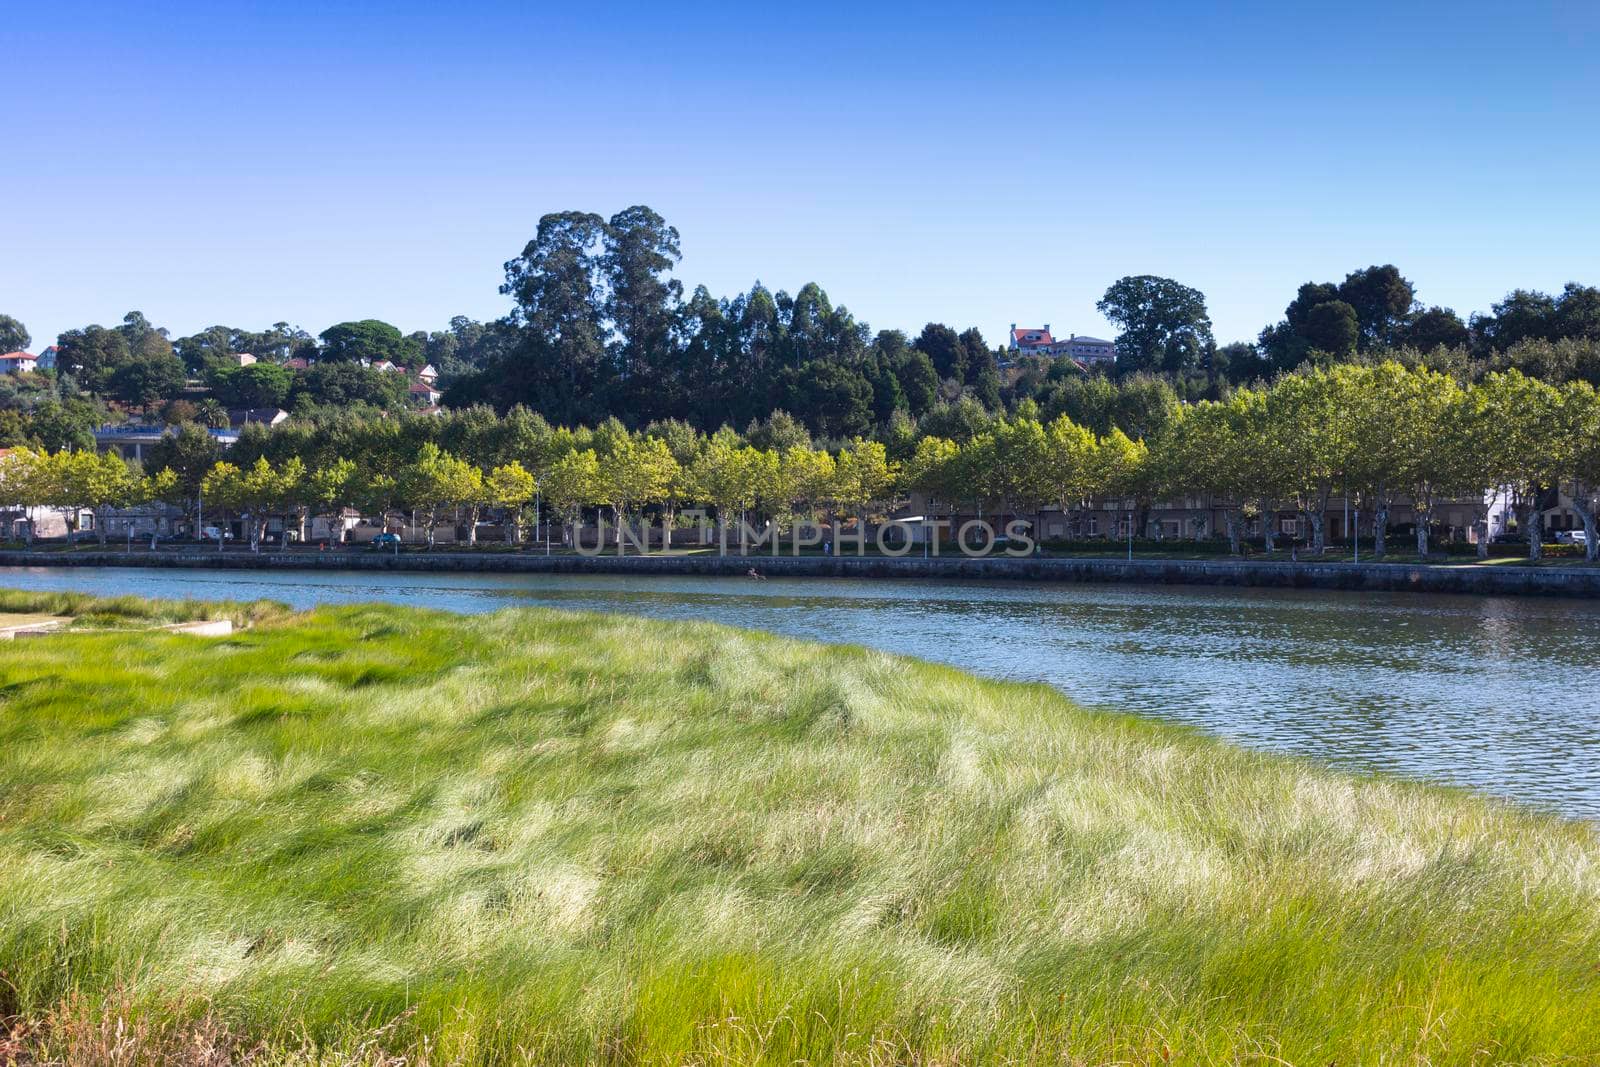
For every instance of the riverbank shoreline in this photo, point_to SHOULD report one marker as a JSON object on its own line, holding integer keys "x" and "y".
{"x": 1496, "y": 580}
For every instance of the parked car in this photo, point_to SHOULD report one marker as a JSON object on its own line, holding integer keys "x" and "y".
{"x": 215, "y": 533}
{"x": 384, "y": 540}
{"x": 1572, "y": 537}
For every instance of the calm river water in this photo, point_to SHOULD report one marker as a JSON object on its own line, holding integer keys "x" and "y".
{"x": 1501, "y": 694}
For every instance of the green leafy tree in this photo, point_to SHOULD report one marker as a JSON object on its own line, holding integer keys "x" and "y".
{"x": 255, "y": 493}
{"x": 511, "y": 486}
{"x": 572, "y": 482}
{"x": 919, "y": 381}
{"x": 1382, "y": 301}
{"x": 556, "y": 283}
{"x": 932, "y": 470}
{"x": 833, "y": 399}
{"x": 326, "y": 489}
{"x": 642, "y": 308}
{"x": 13, "y": 335}
{"x": 436, "y": 481}
{"x": 367, "y": 339}
{"x": 91, "y": 355}
{"x": 635, "y": 471}
{"x": 189, "y": 452}
{"x": 944, "y": 350}
{"x": 1205, "y": 451}
{"x": 1435, "y": 327}
{"x": 863, "y": 477}
{"x": 1332, "y": 327}
{"x": 1164, "y": 324}
{"x": 25, "y": 476}
{"x": 1311, "y": 442}
{"x": 257, "y": 385}
{"x": 1070, "y": 469}
{"x": 1525, "y": 454}
{"x": 725, "y": 478}
{"x": 145, "y": 381}
{"x": 344, "y": 385}
{"x": 1578, "y": 457}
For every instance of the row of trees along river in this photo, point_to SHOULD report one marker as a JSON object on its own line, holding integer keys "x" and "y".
{"x": 1378, "y": 434}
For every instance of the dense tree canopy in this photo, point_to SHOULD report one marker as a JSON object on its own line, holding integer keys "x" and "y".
{"x": 1164, "y": 324}
{"x": 370, "y": 340}
{"x": 601, "y": 328}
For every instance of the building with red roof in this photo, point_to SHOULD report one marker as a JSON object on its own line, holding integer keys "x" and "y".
{"x": 18, "y": 362}
{"x": 1031, "y": 341}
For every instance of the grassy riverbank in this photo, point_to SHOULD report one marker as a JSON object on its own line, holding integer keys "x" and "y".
{"x": 374, "y": 830}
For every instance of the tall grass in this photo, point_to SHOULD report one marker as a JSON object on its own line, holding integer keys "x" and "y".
{"x": 375, "y": 831}
{"x": 131, "y": 610}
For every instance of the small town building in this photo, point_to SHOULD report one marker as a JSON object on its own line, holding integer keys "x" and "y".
{"x": 1039, "y": 341}
{"x": 239, "y": 418}
{"x": 18, "y": 363}
{"x": 1091, "y": 349}
{"x": 130, "y": 440}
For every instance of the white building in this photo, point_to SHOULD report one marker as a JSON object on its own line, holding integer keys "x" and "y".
{"x": 18, "y": 363}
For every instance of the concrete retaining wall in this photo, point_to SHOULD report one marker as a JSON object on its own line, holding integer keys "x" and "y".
{"x": 1497, "y": 579}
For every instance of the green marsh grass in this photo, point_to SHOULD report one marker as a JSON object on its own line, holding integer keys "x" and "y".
{"x": 370, "y": 832}
{"x": 89, "y": 610}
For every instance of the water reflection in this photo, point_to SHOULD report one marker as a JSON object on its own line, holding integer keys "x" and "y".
{"x": 1497, "y": 693}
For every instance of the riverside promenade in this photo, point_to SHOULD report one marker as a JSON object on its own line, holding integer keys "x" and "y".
{"x": 1496, "y": 579}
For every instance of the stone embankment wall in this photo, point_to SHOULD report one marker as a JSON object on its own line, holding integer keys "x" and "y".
{"x": 1498, "y": 579}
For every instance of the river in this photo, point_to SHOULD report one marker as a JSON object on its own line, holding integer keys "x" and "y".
{"x": 1500, "y": 694}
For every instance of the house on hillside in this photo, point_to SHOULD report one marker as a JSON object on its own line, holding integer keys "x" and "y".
{"x": 424, "y": 393}
{"x": 47, "y": 358}
{"x": 427, "y": 374}
{"x": 1091, "y": 350}
{"x": 1030, "y": 341}
{"x": 18, "y": 363}
{"x": 238, "y": 418}
{"x": 241, "y": 359}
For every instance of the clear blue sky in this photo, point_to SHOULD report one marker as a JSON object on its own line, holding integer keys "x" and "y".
{"x": 247, "y": 163}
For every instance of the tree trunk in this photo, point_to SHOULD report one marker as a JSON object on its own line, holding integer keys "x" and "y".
{"x": 1535, "y": 533}
{"x": 1269, "y": 537}
{"x": 1232, "y": 522}
{"x": 1591, "y": 550}
{"x": 1422, "y": 535}
{"x": 1316, "y": 519}
{"x": 1380, "y": 528}
{"x": 472, "y": 528}
{"x": 100, "y": 525}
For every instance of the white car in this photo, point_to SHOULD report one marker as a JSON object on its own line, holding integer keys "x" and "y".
{"x": 1571, "y": 537}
